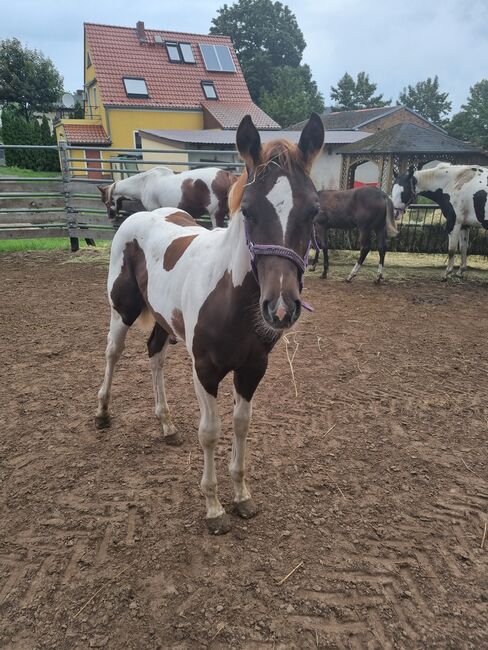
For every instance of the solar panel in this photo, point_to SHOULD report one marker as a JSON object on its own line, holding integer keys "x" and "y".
{"x": 217, "y": 58}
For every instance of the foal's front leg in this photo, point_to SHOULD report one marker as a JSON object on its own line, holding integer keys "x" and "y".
{"x": 243, "y": 503}
{"x": 218, "y": 521}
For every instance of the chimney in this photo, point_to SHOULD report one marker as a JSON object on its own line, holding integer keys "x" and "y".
{"x": 141, "y": 32}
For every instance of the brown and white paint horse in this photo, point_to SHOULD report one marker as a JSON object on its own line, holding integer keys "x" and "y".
{"x": 366, "y": 208}
{"x": 198, "y": 191}
{"x": 228, "y": 294}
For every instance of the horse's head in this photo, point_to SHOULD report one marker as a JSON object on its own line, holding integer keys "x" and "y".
{"x": 279, "y": 202}
{"x": 403, "y": 191}
{"x": 112, "y": 204}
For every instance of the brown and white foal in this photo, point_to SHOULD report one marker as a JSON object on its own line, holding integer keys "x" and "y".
{"x": 227, "y": 294}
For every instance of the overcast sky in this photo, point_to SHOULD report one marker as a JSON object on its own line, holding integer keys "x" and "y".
{"x": 397, "y": 43}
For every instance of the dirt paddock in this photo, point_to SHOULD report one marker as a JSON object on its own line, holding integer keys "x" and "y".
{"x": 373, "y": 481}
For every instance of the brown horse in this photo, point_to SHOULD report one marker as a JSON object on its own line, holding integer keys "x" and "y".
{"x": 227, "y": 293}
{"x": 364, "y": 208}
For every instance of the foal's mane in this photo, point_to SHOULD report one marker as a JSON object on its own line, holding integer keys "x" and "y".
{"x": 283, "y": 153}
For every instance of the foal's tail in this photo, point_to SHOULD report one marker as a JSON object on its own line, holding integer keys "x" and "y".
{"x": 391, "y": 229}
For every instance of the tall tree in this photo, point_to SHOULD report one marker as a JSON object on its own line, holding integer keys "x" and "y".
{"x": 27, "y": 78}
{"x": 293, "y": 97}
{"x": 351, "y": 95}
{"x": 265, "y": 35}
{"x": 426, "y": 98}
{"x": 471, "y": 123}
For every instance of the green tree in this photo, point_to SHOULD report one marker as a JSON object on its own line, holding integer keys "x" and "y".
{"x": 294, "y": 95}
{"x": 27, "y": 78}
{"x": 426, "y": 98}
{"x": 471, "y": 123}
{"x": 265, "y": 35}
{"x": 351, "y": 95}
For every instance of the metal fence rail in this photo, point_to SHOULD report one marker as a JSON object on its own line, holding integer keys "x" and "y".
{"x": 69, "y": 204}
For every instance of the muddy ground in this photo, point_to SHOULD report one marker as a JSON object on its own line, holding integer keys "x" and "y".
{"x": 373, "y": 481}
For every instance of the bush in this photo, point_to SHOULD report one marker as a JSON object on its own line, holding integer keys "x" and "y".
{"x": 16, "y": 129}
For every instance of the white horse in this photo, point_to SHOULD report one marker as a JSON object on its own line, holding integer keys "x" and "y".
{"x": 199, "y": 191}
{"x": 460, "y": 191}
{"x": 226, "y": 293}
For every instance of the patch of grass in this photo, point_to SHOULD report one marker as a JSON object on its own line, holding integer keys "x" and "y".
{"x": 27, "y": 173}
{"x": 44, "y": 244}
{"x": 403, "y": 267}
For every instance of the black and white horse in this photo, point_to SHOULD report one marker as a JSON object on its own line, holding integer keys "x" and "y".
{"x": 460, "y": 191}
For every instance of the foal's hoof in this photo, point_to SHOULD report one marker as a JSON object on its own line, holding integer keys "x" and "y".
{"x": 378, "y": 279}
{"x": 444, "y": 278}
{"x": 246, "y": 509}
{"x": 102, "y": 421}
{"x": 323, "y": 276}
{"x": 173, "y": 439}
{"x": 348, "y": 280}
{"x": 218, "y": 525}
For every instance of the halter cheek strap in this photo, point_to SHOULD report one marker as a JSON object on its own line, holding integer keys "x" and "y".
{"x": 278, "y": 251}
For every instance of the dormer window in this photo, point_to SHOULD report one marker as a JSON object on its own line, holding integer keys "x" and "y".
{"x": 180, "y": 52}
{"x": 135, "y": 87}
{"x": 209, "y": 90}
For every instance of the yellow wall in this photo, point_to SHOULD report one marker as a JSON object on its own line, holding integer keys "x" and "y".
{"x": 162, "y": 157}
{"x": 123, "y": 123}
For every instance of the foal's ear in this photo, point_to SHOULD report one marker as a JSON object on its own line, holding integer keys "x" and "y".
{"x": 311, "y": 139}
{"x": 248, "y": 142}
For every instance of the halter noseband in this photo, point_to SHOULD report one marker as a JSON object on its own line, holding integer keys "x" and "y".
{"x": 278, "y": 251}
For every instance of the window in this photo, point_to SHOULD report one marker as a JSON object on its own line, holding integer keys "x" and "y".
{"x": 209, "y": 90}
{"x": 137, "y": 140}
{"x": 180, "y": 52}
{"x": 135, "y": 87}
{"x": 217, "y": 58}
{"x": 187, "y": 53}
{"x": 173, "y": 52}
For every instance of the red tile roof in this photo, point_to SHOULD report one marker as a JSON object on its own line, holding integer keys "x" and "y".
{"x": 229, "y": 114}
{"x": 116, "y": 52}
{"x": 85, "y": 134}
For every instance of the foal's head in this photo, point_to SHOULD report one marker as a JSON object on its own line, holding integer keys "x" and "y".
{"x": 113, "y": 205}
{"x": 403, "y": 191}
{"x": 279, "y": 202}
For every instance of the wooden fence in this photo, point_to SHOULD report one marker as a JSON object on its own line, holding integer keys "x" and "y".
{"x": 69, "y": 205}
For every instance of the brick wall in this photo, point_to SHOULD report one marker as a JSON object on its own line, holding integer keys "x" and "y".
{"x": 399, "y": 117}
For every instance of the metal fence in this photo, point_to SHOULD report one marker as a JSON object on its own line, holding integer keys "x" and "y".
{"x": 69, "y": 204}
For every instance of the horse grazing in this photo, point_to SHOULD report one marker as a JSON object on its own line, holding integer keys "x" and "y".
{"x": 228, "y": 294}
{"x": 198, "y": 191}
{"x": 364, "y": 208}
{"x": 461, "y": 193}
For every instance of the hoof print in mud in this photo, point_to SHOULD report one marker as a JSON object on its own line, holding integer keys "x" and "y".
{"x": 218, "y": 525}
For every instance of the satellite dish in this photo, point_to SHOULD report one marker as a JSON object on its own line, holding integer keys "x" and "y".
{"x": 68, "y": 100}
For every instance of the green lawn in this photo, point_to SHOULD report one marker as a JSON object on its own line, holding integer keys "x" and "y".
{"x": 27, "y": 173}
{"x": 43, "y": 244}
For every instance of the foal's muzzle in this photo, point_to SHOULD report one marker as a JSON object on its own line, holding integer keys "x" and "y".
{"x": 281, "y": 314}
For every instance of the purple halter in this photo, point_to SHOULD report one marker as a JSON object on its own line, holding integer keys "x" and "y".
{"x": 279, "y": 251}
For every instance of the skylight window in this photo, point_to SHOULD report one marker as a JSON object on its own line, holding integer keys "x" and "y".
{"x": 217, "y": 58}
{"x": 135, "y": 87}
{"x": 180, "y": 52}
{"x": 173, "y": 52}
{"x": 209, "y": 90}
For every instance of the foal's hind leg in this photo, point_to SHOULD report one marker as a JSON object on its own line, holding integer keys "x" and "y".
{"x": 365, "y": 247}
{"x": 115, "y": 346}
{"x": 381, "y": 242}
{"x": 157, "y": 345}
